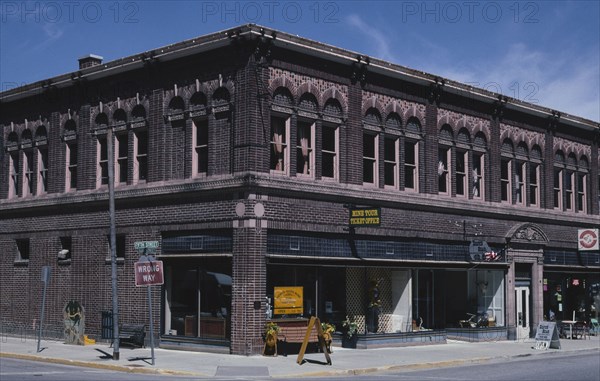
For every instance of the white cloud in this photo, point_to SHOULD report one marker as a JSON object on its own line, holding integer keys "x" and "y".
{"x": 381, "y": 43}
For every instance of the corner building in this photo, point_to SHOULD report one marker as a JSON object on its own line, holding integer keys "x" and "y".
{"x": 242, "y": 152}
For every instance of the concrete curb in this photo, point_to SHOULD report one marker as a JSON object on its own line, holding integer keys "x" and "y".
{"x": 95, "y": 365}
{"x": 322, "y": 373}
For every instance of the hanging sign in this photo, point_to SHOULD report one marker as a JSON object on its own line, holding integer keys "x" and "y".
{"x": 587, "y": 239}
{"x": 365, "y": 216}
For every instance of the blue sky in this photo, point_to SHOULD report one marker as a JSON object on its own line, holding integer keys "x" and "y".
{"x": 543, "y": 52}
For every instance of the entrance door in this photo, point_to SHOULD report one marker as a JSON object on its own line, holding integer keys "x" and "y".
{"x": 523, "y": 311}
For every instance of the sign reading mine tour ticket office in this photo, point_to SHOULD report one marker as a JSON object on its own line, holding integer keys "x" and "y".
{"x": 365, "y": 216}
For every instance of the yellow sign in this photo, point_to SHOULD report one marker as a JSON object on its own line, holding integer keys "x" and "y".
{"x": 288, "y": 300}
{"x": 365, "y": 217}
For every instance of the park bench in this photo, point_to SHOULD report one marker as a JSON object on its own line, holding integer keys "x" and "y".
{"x": 132, "y": 334}
{"x": 295, "y": 335}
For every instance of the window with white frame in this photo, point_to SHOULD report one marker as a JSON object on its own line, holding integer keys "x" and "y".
{"x": 478, "y": 167}
{"x": 71, "y": 173}
{"x": 444, "y": 160}
{"x": 329, "y": 151}
{"x": 370, "y": 158}
{"x": 13, "y": 185}
{"x": 122, "y": 150}
{"x": 390, "y": 161}
{"x": 200, "y": 151}
{"x": 42, "y": 181}
{"x": 558, "y": 188}
{"x": 581, "y": 192}
{"x": 28, "y": 167}
{"x": 305, "y": 156}
{"x": 411, "y": 160}
{"x": 520, "y": 177}
{"x": 280, "y": 132}
{"x": 534, "y": 184}
{"x": 102, "y": 165}
{"x": 569, "y": 190}
{"x": 23, "y": 249}
{"x": 505, "y": 180}
{"x": 461, "y": 173}
{"x": 558, "y": 183}
{"x": 141, "y": 156}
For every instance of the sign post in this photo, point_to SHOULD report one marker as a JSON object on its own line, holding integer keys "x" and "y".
{"x": 148, "y": 272}
{"x": 46, "y": 271}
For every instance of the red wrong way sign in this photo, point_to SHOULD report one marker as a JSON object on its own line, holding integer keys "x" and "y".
{"x": 149, "y": 273}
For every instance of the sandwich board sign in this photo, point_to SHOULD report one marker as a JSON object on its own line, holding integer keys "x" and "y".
{"x": 547, "y": 336}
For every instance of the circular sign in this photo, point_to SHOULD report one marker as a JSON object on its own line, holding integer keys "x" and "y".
{"x": 588, "y": 239}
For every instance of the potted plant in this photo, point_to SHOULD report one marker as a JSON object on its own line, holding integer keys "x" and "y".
{"x": 328, "y": 330}
{"x": 270, "y": 337}
{"x": 350, "y": 337}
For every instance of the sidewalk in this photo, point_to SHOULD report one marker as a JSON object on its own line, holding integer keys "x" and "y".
{"x": 344, "y": 361}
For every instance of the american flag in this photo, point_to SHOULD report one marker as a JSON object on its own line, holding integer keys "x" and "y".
{"x": 491, "y": 256}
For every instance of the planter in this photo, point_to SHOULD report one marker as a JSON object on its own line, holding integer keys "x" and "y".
{"x": 349, "y": 342}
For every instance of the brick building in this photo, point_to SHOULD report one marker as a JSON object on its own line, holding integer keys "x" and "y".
{"x": 242, "y": 153}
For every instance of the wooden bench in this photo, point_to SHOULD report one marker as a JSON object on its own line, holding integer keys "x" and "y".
{"x": 132, "y": 334}
{"x": 295, "y": 335}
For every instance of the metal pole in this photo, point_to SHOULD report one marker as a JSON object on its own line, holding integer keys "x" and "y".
{"x": 151, "y": 322}
{"x": 46, "y": 278}
{"x": 113, "y": 240}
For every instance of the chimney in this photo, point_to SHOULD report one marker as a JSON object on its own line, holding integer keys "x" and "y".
{"x": 89, "y": 61}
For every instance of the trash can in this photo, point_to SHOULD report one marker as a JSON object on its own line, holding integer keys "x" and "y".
{"x": 107, "y": 325}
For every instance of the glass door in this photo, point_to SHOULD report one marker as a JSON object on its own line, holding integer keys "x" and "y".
{"x": 522, "y": 311}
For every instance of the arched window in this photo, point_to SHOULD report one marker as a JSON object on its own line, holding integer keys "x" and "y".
{"x": 410, "y": 157}
{"x": 280, "y": 130}
{"x": 582, "y": 184}
{"x": 332, "y": 118}
{"x": 41, "y": 142}
{"x": 535, "y": 173}
{"x": 27, "y": 146}
{"x": 559, "y": 171}
{"x": 372, "y": 125}
{"x": 391, "y": 151}
{"x": 506, "y": 171}
{"x": 12, "y": 147}
{"x": 478, "y": 168}
{"x": 446, "y": 141}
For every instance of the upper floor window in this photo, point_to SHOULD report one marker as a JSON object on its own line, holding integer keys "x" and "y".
{"x": 520, "y": 176}
{"x": 329, "y": 151}
{"x": 200, "y": 152}
{"x": 370, "y": 158}
{"x": 28, "y": 178}
{"x": 102, "y": 164}
{"x": 71, "y": 173}
{"x": 558, "y": 183}
{"x": 506, "y": 171}
{"x": 42, "y": 170}
{"x": 461, "y": 172}
{"x": 305, "y": 156}
{"x": 13, "y": 185}
{"x": 141, "y": 155}
{"x": 121, "y": 149}
{"x": 535, "y": 173}
{"x": 391, "y": 158}
{"x": 410, "y": 157}
{"x": 443, "y": 171}
{"x": 478, "y": 167}
{"x": 280, "y": 156}
{"x": 581, "y": 185}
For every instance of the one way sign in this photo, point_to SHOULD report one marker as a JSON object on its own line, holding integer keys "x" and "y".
{"x": 149, "y": 273}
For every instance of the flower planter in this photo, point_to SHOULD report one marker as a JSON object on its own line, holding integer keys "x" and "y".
{"x": 349, "y": 342}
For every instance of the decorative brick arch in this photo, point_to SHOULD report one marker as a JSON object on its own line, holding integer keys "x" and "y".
{"x": 311, "y": 88}
{"x": 412, "y": 112}
{"x": 394, "y": 107}
{"x": 446, "y": 119}
{"x": 283, "y": 81}
{"x": 335, "y": 93}
{"x": 527, "y": 233}
{"x": 214, "y": 85}
{"x": 373, "y": 102}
